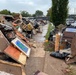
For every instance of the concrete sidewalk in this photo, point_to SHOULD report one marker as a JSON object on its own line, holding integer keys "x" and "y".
{"x": 36, "y": 60}
{"x": 54, "y": 66}
{"x": 41, "y": 60}
{"x": 40, "y": 36}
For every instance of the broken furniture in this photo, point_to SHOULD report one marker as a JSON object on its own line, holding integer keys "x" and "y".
{"x": 8, "y": 51}
{"x": 72, "y": 57}
{"x": 68, "y": 34}
{"x": 10, "y": 68}
{"x": 15, "y": 54}
{"x": 3, "y": 42}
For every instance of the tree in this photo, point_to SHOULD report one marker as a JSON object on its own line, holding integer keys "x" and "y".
{"x": 33, "y": 15}
{"x": 49, "y": 13}
{"x": 25, "y": 14}
{"x": 5, "y": 11}
{"x": 38, "y": 13}
{"x": 13, "y": 13}
{"x": 59, "y": 11}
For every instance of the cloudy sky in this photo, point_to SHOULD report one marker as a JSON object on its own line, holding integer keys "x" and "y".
{"x": 72, "y": 6}
{"x": 31, "y": 5}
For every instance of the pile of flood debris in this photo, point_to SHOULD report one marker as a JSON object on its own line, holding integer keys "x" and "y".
{"x": 64, "y": 41}
{"x": 15, "y": 45}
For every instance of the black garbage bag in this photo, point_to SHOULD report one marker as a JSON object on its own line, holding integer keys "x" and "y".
{"x": 59, "y": 55}
{"x": 36, "y": 26}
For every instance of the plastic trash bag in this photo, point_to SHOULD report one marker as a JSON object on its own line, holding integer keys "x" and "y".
{"x": 59, "y": 55}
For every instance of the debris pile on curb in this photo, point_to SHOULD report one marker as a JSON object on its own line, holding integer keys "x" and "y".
{"x": 64, "y": 41}
{"x": 15, "y": 46}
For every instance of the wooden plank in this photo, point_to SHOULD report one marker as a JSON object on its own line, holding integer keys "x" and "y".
{"x": 12, "y": 68}
{"x": 16, "y": 54}
{"x": 57, "y": 42}
{"x": 21, "y": 46}
{"x": 10, "y": 63}
{"x": 73, "y": 46}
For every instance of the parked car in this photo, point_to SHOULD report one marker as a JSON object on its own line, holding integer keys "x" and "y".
{"x": 69, "y": 21}
{"x": 74, "y": 24}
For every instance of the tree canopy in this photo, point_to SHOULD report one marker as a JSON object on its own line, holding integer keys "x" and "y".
{"x": 59, "y": 11}
{"x": 49, "y": 13}
{"x": 25, "y": 14}
{"x": 5, "y": 11}
{"x": 38, "y": 13}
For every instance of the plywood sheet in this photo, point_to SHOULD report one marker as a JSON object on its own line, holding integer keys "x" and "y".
{"x": 3, "y": 42}
{"x": 73, "y": 46}
{"x": 15, "y": 54}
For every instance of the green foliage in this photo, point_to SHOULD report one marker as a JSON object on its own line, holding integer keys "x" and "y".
{"x": 48, "y": 46}
{"x": 34, "y": 15}
{"x": 50, "y": 28}
{"x": 59, "y": 11}
{"x": 14, "y": 14}
{"x": 38, "y": 13}
{"x": 48, "y": 32}
{"x": 5, "y": 11}
{"x": 25, "y": 14}
{"x": 49, "y": 13}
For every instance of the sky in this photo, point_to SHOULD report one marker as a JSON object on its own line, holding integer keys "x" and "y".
{"x": 72, "y": 6}
{"x": 32, "y": 5}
